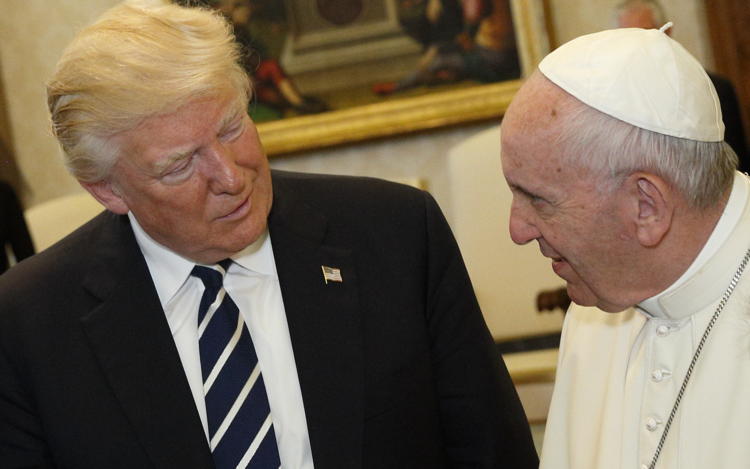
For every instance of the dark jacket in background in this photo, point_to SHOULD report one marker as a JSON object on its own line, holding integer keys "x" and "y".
{"x": 13, "y": 230}
{"x": 734, "y": 132}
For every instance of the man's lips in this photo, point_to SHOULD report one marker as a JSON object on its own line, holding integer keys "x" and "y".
{"x": 558, "y": 264}
{"x": 240, "y": 211}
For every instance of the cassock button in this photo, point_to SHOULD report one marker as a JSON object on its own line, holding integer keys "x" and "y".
{"x": 662, "y": 331}
{"x": 651, "y": 424}
{"x": 658, "y": 375}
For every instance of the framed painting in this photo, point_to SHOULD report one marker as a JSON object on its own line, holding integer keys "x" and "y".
{"x": 332, "y": 72}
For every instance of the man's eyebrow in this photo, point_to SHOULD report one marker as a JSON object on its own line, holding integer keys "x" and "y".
{"x": 525, "y": 192}
{"x": 517, "y": 188}
{"x": 231, "y": 115}
{"x": 161, "y": 167}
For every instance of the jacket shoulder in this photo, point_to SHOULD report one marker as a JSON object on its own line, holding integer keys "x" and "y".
{"x": 59, "y": 268}
{"x": 349, "y": 195}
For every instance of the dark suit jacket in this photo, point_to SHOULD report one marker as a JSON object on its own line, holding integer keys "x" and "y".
{"x": 734, "y": 132}
{"x": 396, "y": 366}
{"x": 13, "y": 230}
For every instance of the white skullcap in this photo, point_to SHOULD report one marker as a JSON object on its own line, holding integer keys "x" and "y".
{"x": 642, "y": 77}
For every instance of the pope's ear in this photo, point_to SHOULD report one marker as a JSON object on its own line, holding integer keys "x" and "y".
{"x": 655, "y": 209}
{"x": 107, "y": 195}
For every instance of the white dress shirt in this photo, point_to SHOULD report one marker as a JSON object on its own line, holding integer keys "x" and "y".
{"x": 253, "y": 284}
{"x": 619, "y": 374}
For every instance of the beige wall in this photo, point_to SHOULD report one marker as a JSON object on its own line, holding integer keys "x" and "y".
{"x": 572, "y": 18}
{"x": 421, "y": 156}
{"x": 33, "y": 34}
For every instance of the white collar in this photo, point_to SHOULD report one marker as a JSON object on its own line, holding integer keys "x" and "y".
{"x": 169, "y": 270}
{"x": 709, "y": 275}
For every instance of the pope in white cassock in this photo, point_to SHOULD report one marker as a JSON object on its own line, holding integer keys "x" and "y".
{"x": 614, "y": 153}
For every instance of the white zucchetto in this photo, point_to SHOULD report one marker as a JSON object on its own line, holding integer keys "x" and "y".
{"x": 642, "y": 77}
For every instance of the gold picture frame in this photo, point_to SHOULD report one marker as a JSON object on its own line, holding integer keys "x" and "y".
{"x": 408, "y": 115}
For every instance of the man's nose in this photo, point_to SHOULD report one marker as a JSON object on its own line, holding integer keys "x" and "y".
{"x": 522, "y": 231}
{"x": 225, "y": 175}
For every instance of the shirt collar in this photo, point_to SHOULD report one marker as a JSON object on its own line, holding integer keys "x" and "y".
{"x": 710, "y": 273}
{"x": 258, "y": 257}
{"x": 169, "y": 270}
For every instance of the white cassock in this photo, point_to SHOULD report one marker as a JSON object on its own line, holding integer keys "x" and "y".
{"x": 619, "y": 374}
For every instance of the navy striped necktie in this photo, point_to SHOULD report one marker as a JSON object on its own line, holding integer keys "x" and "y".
{"x": 239, "y": 418}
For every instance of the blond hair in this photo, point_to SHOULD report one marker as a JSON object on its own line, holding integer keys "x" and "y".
{"x": 139, "y": 60}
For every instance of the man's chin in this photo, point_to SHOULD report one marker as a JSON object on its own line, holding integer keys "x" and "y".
{"x": 583, "y": 296}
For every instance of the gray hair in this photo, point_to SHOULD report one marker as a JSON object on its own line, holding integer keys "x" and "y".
{"x": 657, "y": 11}
{"x": 139, "y": 60}
{"x": 701, "y": 172}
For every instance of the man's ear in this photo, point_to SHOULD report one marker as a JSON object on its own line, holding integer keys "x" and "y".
{"x": 107, "y": 195}
{"x": 655, "y": 208}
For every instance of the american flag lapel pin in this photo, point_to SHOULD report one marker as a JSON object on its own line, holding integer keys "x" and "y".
{"x": 334, "y": 275}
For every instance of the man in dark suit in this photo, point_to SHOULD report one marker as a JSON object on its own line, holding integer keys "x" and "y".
{"x": 349, "y": 295}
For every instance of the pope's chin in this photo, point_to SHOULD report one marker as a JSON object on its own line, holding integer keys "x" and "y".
{"x": 578, "y": 291}
{"x": 580, "y": 294}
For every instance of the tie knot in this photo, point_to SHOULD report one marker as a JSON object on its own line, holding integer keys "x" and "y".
{"x": 212, "y": 278}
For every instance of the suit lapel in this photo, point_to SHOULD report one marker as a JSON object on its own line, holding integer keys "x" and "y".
{"x": 132, "y": 341}
{"x": 325, "y": 328}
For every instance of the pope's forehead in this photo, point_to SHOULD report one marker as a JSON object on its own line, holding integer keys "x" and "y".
{"x": 540, "y": 97}
{"x": 537, "y": 113}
